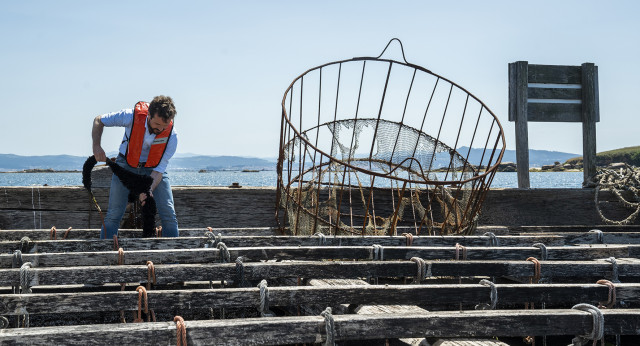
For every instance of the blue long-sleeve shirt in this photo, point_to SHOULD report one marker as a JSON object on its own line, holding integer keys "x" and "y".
{"x": 124, "y": 118}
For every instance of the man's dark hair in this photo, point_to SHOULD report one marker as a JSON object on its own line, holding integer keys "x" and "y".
{"x": 163, "y": 107}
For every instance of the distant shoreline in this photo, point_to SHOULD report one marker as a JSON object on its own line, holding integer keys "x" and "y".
{"x": 40, "y": 170}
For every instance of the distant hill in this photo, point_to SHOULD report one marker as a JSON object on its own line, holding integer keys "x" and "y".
{"x": 629, "y": 155}
{"x": 537, "y": 158}
{"x": 10, "y": 162}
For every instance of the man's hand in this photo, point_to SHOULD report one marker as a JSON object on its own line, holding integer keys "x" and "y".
{"x": 143, "y": 197}
{"x": 98, "y": 152}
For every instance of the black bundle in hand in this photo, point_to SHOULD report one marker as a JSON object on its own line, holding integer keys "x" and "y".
{"x": 136, "y": 184}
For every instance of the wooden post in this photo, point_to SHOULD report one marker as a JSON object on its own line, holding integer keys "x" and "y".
{"x": 590, "y": 112}
{"x": 518, "y": 80}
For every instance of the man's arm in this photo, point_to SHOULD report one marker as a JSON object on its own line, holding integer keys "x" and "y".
{"x": 96, "y": 135}
{"x": 157, "y": 177}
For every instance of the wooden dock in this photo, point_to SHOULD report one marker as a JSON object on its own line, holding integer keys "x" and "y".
{"x": 406, "y": 289}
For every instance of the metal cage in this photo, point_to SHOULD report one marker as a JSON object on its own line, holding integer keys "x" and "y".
{"x": 371, "y": 144}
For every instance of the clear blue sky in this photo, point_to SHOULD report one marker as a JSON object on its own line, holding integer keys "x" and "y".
{"x": 228, "y": 63}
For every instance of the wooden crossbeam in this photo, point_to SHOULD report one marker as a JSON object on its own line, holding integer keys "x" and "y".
{"x": 90, "y": 245}
{"x": 423, "y": 295}
{"x": 171, "y": 273}
{"x": 208, "y": 255}
{"x": 311, "y": 329}
{"x": 84, "y": 233}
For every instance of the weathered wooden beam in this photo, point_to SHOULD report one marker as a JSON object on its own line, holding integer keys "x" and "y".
{"x": 310, "y": 329}
{"x": 88, "y": 245}
{"x": 207, "y": 255}
{"x": 171, "y": 273}
{"x": 45, "y": 234}
{"x": 518, "y": 111}
{"x": 559, "y": 229}
{"x": 327, "y": 295}
{"x": 590, "y": 115}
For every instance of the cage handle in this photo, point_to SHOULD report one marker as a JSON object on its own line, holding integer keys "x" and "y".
{"x": 401, "y": 49}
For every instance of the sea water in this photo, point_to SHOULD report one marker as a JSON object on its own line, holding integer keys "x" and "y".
{"x": 269, "y": 178}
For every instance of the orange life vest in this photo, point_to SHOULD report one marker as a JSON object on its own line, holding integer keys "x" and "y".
{"x": 136, "y": 137}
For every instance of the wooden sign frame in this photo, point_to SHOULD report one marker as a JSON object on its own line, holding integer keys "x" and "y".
{"x": 553, "y": 93}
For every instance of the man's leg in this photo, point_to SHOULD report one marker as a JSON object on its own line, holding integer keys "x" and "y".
{"x": 118, "y": 199}
{"x": 164, "y": 203}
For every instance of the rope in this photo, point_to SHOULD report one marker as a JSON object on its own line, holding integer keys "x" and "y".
{"x": 464, "y": 252}
{"x": 537, "y": 270}
{"x": 322, "y": 240}
{"x": 142, "y": 294}
{"x": 543, "y": 250}
{"x": 378, "y": 252}
{"x": 329, "y": 326}
{"x": 264, "y": 299}
{"x": 409, "y": 237}
{"x": 493, "y": 240}
{"x": 611, "y": 300}
{"x": 493, "y": 295}
{"x": 25, "y": 277}
{"x": 22, "y": 312}
{"x": 122, "y": 284}
{"x": 225, "y": 256}
{"x": 52, "y": 233}
{"x": 240, "y": 272}
{"x": 422, "y": 269}
{"x": 598, "y": 325}
{"x": 116, "y": 246}
{"x": 66, "y": 233}
{"x": 120, "y": 256}
{"x": 151, "y": 274}
{"x": 159, "y": 232}
{"x": 614, "y": 269}
{"x": 4, "y": 322}
{"x": 16, "y": 261}
{"x": 181, "y": 331}
{"x": 599, "y": 235}
{"x": 24, "y": 244}
{"x": 211, "y": 241}
{"x": 628, "y": 179}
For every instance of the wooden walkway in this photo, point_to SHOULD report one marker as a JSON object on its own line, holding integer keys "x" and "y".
{"x": 400, "y": 289}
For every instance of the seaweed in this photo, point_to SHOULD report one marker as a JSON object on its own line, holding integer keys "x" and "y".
{"x": 136, "y": 184}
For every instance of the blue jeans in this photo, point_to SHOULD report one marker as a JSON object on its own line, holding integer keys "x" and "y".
{"x": 118, "y": 200}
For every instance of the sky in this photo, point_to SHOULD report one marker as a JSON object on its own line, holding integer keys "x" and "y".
{"x": 227, "y": 64}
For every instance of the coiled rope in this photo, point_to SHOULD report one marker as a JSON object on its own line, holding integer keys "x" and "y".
{"x": 611, "y": 300}
{"x": 614, "y": 269}
{"x": 225, "y": 256}
{"x": 543, "y": 251}
{"x": 181, "y": 331}
{"x": 493, "y": 240}
{"x": 329, "y": 327}
{"x": 597, "y": 332}
{"x": 625, "y": 179}
{"x": 422, "y": 269}
{"x": 264, "y": 299}
{"x": 493, "y": 296}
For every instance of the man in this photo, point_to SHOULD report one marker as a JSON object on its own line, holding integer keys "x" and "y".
{"x": 148, "y": 144}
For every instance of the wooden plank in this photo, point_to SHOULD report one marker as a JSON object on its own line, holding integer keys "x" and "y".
{"x": 519, "y": 73}
{"x": 83, "y": 233}
{"x": 311, "y": 329}
{"x": 171, "y": 273}
{"x": 590, "y": 115}
{"x": 554, "y": 112}
{"x": 554, "y": 74}
{"x": 205, "y": 255}
{"x": 554, "y": 93}
{"x": 54, "y": 246}
{"x": 503, "y": 207}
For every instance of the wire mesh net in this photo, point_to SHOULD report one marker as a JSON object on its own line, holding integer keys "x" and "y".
{"x": 371, "y": 144}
